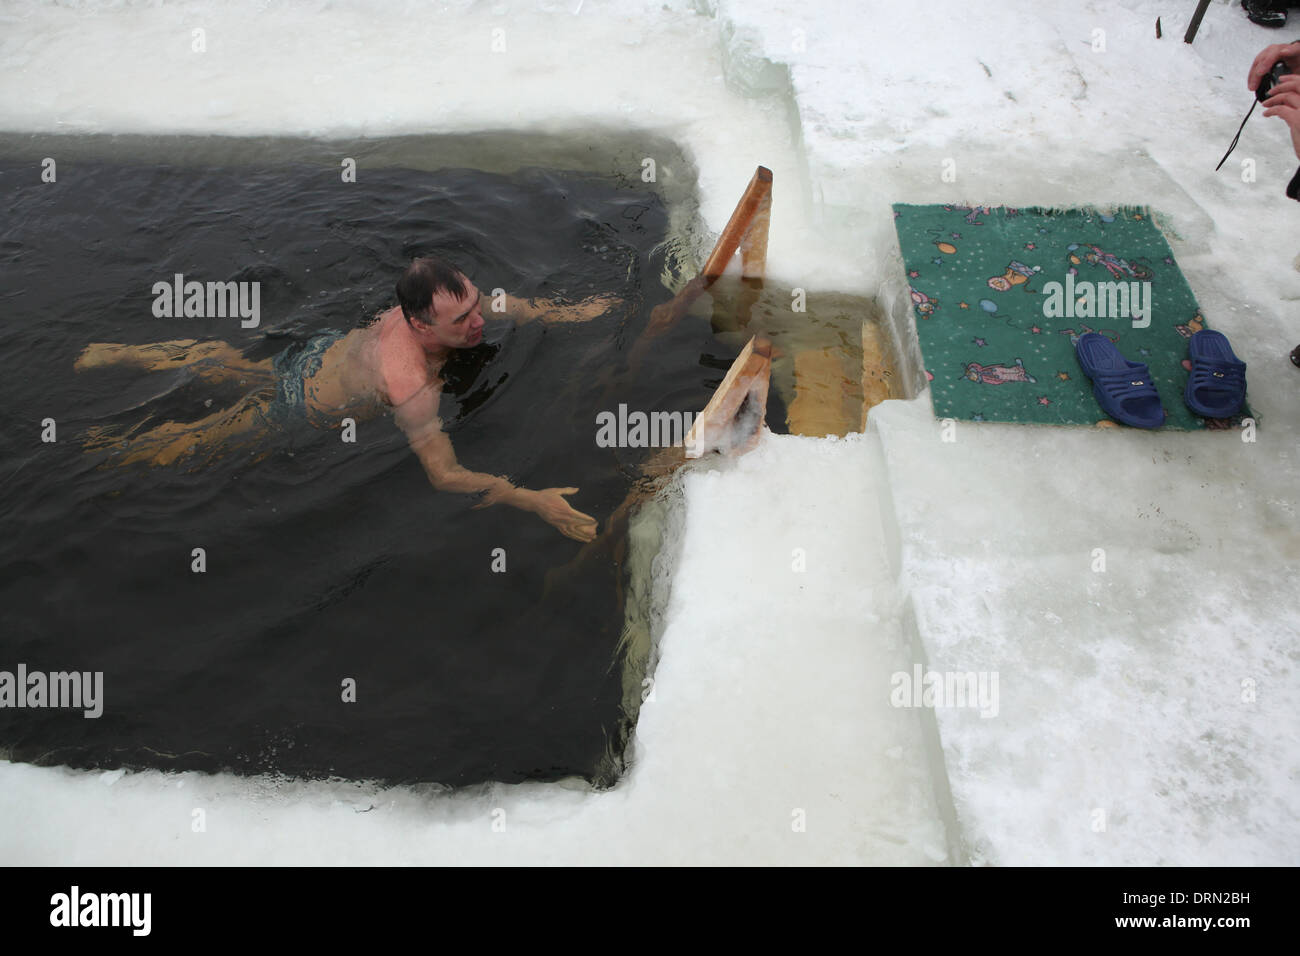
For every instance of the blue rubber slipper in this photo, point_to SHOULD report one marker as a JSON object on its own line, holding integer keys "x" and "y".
{"x": 1217, "y": 386}
{"x": 1123, "y": 389}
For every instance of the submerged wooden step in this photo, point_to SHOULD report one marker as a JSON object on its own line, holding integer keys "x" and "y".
{"x": 824, "y": 400}
{"x": 832, "y": 394}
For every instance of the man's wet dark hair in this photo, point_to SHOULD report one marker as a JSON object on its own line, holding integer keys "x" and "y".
{"x": 423, "y": 279}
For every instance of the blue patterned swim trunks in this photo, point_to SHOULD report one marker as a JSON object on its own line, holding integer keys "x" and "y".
{"x": 293, "y": 367}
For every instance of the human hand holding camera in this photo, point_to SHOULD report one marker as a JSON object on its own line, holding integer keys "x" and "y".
{"x": 1284, "y": 100}
{"x": 1269, "y": 57}
{"x": 1272, "y": 78}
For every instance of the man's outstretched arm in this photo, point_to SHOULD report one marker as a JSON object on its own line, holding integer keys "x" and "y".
{"x": 418, "y": 419}
{"x": 528, "y": 310}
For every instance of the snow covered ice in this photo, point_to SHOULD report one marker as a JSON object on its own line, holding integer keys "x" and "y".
{"x": 1146, "y": 715}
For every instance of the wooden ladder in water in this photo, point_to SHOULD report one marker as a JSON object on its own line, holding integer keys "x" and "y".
{"x": 750, "y": 373}
{"x": 822, "y": 405}
{"x": 746, "y": 230}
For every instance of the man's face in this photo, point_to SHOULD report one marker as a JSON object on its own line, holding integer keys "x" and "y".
{"x": 458, "y": 323}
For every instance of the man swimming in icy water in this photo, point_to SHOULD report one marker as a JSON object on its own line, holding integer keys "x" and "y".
{"x": 394, "y": 363}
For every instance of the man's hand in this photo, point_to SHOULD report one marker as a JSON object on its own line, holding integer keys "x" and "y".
{"x": 1288, "y": 53}
{"x": 551, "y": 507}
{"x": 418, "y": 418}
{"x": 1284, "y": 101}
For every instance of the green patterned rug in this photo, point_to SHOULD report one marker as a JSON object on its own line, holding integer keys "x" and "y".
{"x": 1001, "y": 295}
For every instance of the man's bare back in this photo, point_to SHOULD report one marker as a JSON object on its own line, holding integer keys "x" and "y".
{"x": 360, "y": 373}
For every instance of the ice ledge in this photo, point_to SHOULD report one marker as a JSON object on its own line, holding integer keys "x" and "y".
{"x": 1146, "y": 712}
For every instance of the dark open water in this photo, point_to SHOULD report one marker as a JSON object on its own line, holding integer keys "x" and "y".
{"x": 326, "y": 560}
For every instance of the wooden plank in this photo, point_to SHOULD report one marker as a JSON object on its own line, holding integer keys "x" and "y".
{"x": 757, "y": 197}
{"x": 822, "y": 404}
{"x": 753, "y": 248}
{"x": 749, "y": 377}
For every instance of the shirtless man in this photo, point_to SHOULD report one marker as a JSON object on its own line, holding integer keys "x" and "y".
{"x": 392, "y": 364}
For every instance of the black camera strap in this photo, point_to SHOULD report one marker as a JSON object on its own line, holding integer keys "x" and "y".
{"x": 1237, "y": 137}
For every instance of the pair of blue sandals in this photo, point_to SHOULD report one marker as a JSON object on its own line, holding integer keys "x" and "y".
{"x": 1216, "y": 387}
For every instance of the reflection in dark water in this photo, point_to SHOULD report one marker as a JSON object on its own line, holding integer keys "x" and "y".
{"x": 328, "y": 565}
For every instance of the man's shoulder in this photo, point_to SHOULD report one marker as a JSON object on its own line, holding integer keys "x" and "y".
{"x": 403, "y": 366}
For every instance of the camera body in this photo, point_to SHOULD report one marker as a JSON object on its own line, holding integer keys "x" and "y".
{"x": 1269, "y": 79}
